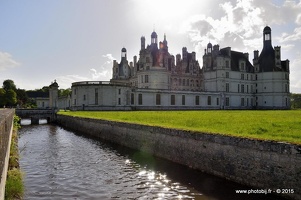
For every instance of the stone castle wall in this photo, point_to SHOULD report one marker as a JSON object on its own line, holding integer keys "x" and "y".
{"x": 259, "y": 164}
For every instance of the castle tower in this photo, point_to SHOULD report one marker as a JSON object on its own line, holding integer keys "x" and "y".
{"x": 209, "y": 48}
{"x": 142, "y": 43}
{"x": 123, "y": 53}
{"x": 267, "y": 56}
{"x": 270, "y": 92}
{"x": 154, "y": 38}
{"x": 53, "y": 94}
{"x": 184, "y": 53}
{"x": 165, "y": 42}
{"x": 267, "y": 36}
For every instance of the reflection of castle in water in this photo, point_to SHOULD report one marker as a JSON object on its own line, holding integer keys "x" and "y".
{"x": 158, "y": 80}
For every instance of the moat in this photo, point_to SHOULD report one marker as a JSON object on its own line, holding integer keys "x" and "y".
{"x": 60, "y": 164}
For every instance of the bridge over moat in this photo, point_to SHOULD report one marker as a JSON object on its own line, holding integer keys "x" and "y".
{"x": 36, "y": 114}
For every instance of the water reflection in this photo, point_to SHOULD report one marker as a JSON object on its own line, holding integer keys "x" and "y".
{"x": 59, "y": 164}
{"x": 26, "y": 122}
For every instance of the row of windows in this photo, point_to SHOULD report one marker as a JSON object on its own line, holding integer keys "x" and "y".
{"x": 172, "y": 100}
{"x": 240, "y": 88}
{"x": 185, "y": 82}
{"x": 243, "y": 76}
{"x": 181, "y": 82}
{"x": 242, "y": 65}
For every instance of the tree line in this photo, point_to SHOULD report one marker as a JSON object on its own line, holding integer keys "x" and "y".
{"x": 11, "y": 96}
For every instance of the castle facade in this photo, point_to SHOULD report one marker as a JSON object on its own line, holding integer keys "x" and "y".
{"x": 158, "y": 80}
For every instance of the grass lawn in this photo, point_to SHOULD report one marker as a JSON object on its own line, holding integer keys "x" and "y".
{"x": 278, "y": 125}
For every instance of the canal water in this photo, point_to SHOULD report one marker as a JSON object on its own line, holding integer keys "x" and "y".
{"x": 60, "y": 164}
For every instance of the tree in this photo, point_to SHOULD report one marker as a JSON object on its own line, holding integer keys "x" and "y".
{"x": 295, "y": 101}
{"x": 22, "y": 98}
{"x": 11, "y": 97}
{"x": 64, "y": 92}
{"x": 2, "y": 97}
{"x": 9, "y": 85}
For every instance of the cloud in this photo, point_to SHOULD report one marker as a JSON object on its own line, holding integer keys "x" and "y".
{"x": 6, "y": 61}
{"x": 295, "y": 77}
{"x": 295, "y": 36}
{"x": 239, "y": 26}
{"x": 67, "y": 80}
{"x": 109, "y": 57}
{"x": 281, "y": 13}
{"x": 105, "y": 71}
{"x": 97, "y": 75}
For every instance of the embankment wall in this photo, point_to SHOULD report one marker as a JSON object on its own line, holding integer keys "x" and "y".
{"x": 6, "y": 129}
{"x": 259, "y": 164}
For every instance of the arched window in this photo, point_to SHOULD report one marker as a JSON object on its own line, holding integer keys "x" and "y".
{"x": 267, "y": 36}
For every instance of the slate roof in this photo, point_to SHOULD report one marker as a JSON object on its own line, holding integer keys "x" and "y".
{"x": 235, "y": 58}
{"x": 267, "y": 59}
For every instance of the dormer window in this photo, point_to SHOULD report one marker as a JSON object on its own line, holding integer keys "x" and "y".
{"x": 227, "y": 64}
{"x": 242, "y": 66}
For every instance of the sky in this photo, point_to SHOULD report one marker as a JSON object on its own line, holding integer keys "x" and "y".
{"x": 77, "y": 40}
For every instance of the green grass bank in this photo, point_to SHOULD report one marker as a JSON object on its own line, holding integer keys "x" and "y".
{"x": 275, "y": 125}
{"x": 14, "y": 188}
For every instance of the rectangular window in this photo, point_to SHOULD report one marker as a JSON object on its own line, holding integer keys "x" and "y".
{"x": 140, "y": 99}
{"x": 74, "y": 101}
{"x": 197, "y": 100}
{"x": 96, "y": 96}
{"x": 158, "y": 99}
{"x": 132, "y": 99}
{"x": 227, "y": 101}
{"x": 242, "y": 66}
{"x": 286, "y": 88}
{"x": 227, "y": 87}
{"x": 119, "y": 101}
{"x": 227, "y": 64}
{"x": 146, "y": 78}
{"x": 242, "y": 101}
{"x": 119, "y": 91}
{"x": 183, "y": 99}
{"x": 242, "y": 77}
{"x": 217, "y": 101}
{"x": 74, "y": 91}
{"x": 172, "y": 100}
{"x": 227, "y": 75}
{"x": 238, "y": 88}
{"x": 84, "y": 97}
{"x": 209, "y": 101}
{"x": 242, "y": 88}
{"x": 247, "y": 88}
{"x": 286, "y": 102}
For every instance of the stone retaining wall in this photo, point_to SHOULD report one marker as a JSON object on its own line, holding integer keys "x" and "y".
{"x": 6, "y": 128}
{"x": 259, "y": 164}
